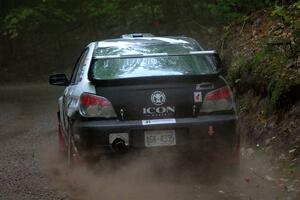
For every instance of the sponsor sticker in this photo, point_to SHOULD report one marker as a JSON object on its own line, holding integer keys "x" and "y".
{"x": 158, "y": 98}
{"x": 197, "y": 97}
{"x": 159, "y": 111}
{"x": 204, "y": 86}
{"x": 158, "y": 121}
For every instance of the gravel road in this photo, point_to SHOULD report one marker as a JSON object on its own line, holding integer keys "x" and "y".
{"x": 31, "y": 169}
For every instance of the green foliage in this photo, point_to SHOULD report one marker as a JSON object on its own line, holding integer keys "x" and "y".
{"x": 44, "y": 14}
{"x": 278, "y": 10}
{"x": 58, "y": 15}
{"x": 225, "y": 8}
{"x": 281, "y": 12}
{"x": 228, "y": 10}
{"x": 264, "y": 72}
{"x": 102, "y": 8}
{"x": 18, "y": 19}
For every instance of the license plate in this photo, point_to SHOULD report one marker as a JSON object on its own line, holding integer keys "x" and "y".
{"x": 158, "y": 138}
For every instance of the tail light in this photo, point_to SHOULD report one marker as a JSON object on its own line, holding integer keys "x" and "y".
{"x": 96, "y": 106}
{"x": 218, "y": 100}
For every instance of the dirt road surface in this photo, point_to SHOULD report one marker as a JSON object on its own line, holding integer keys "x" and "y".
{"x": 30, "y": 167}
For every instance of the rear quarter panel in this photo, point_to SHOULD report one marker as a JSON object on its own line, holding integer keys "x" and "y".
{"x": 84, "y": 85}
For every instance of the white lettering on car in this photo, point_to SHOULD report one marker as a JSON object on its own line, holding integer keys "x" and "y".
{"x": 161, "y": 110}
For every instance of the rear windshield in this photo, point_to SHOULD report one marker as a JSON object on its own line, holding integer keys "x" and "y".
{"x": 166, "y": 65}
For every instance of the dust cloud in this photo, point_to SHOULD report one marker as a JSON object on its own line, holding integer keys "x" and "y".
{"x": 144, "y": 175}
{"x": 155, "y": 175}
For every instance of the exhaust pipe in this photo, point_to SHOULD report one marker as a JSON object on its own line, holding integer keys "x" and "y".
{"x": 119, "y": 145}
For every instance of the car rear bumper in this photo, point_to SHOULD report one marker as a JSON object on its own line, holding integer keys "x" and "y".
{"x": 204, "y": 132}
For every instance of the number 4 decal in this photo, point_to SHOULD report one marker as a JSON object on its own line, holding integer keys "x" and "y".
{"x": 197, "y": 97}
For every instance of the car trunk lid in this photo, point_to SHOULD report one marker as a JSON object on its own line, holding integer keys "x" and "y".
{"x": 157, "y": 97}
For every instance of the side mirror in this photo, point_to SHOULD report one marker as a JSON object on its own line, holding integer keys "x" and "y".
{"x": 59, "y": 79}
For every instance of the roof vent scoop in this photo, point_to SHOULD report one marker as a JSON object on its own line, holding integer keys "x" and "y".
{"x": 137, "y": 35}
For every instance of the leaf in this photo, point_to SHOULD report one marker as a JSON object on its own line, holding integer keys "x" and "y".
{"x": 296, "y": 24}
{"x": 298, "y": 5}
{"x": 279, "y": 11}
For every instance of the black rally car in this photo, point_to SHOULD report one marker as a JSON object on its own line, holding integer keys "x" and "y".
{"x": 141, "y": 91}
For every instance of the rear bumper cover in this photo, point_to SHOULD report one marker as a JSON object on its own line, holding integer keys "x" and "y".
{"x": 205, "y": 132}
{"x": 110, "y": 125}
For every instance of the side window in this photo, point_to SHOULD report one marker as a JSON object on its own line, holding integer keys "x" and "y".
{"x": 77, "y": 73}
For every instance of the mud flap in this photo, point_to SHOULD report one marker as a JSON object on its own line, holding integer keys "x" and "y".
{"x": 62, "y": 148}
{"x": 73, "y": 156}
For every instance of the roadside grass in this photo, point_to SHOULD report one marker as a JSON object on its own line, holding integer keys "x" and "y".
{"x": 268, "y": 63}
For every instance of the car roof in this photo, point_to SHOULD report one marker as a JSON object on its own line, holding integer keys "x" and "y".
{"x": 148, "y": 40}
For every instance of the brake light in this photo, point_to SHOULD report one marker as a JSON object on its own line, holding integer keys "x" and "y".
{"x": 96, "y": 106}
{"x": 221, "y": 93}
{"x": 218, "y": 100}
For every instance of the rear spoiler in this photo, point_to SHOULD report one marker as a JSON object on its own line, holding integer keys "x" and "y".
{"x": 154, "y": 80}
{"x": 212, "y": 52}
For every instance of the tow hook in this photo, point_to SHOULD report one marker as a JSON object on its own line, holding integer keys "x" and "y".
{"x": 211, "y": 130}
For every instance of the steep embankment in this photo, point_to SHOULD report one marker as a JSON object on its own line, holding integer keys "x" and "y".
{"x": 264, "y": 48}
